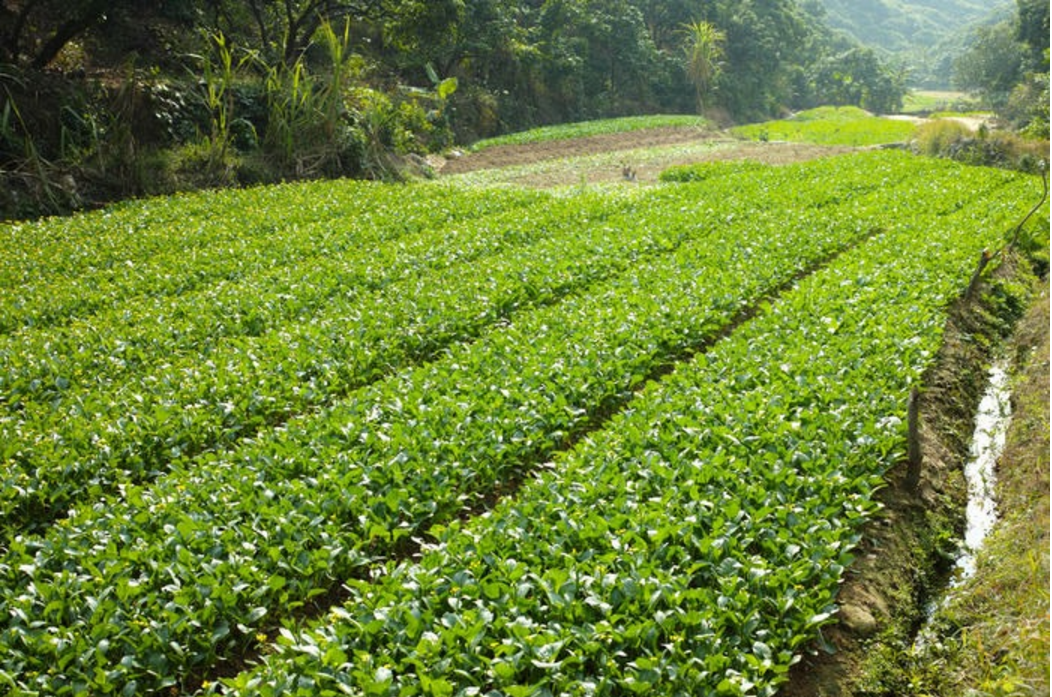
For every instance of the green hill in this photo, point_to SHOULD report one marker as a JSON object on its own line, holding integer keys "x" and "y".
{"x": 906, "y": 25}
{"x": 924, "y": 35}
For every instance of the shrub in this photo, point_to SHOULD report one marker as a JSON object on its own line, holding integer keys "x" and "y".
{"x": 935, "y": 138}
{"x": 954, "y": 140}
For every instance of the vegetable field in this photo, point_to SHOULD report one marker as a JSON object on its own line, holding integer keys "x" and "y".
{"x": 361, "y": 439}
{"x": 832, "y": 126}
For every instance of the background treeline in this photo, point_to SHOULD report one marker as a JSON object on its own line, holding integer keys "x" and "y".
{"x": 925, "y": 36}
{"x": 1005, "y": 63}
{"x": 994, "y": 49}
{"x": 101, "y": 99}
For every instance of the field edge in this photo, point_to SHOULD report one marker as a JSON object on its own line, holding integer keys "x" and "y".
{"x": 908, "y": 551}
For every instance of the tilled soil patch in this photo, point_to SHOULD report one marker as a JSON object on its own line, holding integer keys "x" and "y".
{"x": 641, "y": 152}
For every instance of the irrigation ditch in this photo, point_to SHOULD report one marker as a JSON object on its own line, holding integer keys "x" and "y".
{"x": 913, "y": 552}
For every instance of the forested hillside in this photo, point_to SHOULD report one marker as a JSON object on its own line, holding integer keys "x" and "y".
{"x": 102, "y": 100}
{"x": 925, "y": 36}
{"x": 901, "y": 25}
{"x": 219, "y": 92}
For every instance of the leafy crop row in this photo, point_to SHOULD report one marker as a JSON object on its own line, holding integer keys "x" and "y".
{"x": 170, "y": 577}
{"x": 72, "y": 268}
{"x": 832, "y": 126}
{"x": 138, "y": 591}
{"x": 105, "y": 408}
{"x": 103, "y": 422}
{"x": 378, "y": 250}
{"x": 696, "y": 543}
{"x": 585, "y": 129}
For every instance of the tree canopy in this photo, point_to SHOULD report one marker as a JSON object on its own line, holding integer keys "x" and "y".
{"x": 1006, "y": 65}
{"x": 534, "y": 62}
{"x": 242, "y": 91}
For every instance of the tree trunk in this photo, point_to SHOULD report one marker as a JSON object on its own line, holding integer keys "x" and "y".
{"x": 68, "y": 31}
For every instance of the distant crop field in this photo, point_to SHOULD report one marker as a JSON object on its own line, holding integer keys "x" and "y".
{"x": 831, "y": 126}
{"x": 928, "y": 101}
{"x": 351, "y": 438}
{"x": 592, "y": 128}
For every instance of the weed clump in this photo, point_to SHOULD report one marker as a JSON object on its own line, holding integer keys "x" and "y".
{"x": 936, "y": 137}
{"x": 954, "y": 140}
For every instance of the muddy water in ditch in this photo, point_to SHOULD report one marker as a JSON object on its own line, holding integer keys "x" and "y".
{"x": 988, "y": 440}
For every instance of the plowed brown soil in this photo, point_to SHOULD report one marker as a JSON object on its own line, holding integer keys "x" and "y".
{"x": 646, "y": 168}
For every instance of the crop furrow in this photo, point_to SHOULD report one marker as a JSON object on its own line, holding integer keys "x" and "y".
{"x": 144, "y": 329}
{"x": 198, "y": 404}
{"x": 598, "y": 419}
{"x": 139, "y": 336}
{"x": 137, "y": 591}
{"x": 234, "y": 245}
{"x": 88, "y": 443}
{"x": 142, "y": 231}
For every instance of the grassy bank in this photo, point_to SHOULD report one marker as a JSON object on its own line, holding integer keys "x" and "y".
{"x": 994, "y": 632}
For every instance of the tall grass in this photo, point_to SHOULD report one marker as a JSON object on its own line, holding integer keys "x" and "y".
{"x": 220, "y": 70}
{"x": 306, "y": 112}
{"x": 32, "y": 171}
{"x": 985, "y": 147}
{"x": 936, "y": 137}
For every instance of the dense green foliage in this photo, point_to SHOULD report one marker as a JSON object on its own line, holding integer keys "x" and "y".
{"x": 1006, "y": 65}
{"x": 922, "y": 35}
{"x": 829, "y": 126}
{"x": 383, "y": 362}
{"x": 996, "y": 51}
{"x": 692, "y": 545}
{"x": 144, "y": 98}
{"x": 585, "y": 129}
{"x": 901, "y": 25}
{"x": 857, "y": 77}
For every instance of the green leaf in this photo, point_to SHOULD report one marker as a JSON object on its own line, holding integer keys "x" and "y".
{"x": 438, "y": 688}
{"x": 447, "y": 87}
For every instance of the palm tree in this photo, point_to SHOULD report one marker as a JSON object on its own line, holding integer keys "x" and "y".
{"x": 704, "y": 51}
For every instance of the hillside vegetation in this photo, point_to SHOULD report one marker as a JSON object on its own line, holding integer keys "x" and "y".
{"x": 832, "y": 126}
{"x": 100, "y": 101}
{"x": 902, "y": 25}
{"x": 103, "y": 101}
{"x": 983, "y": 47}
